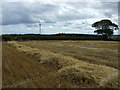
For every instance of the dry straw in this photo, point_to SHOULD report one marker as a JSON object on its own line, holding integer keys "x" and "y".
{"x": 86, "y": 74}
{"x": 46, "y": 57}
{"x": 71, "y": 69}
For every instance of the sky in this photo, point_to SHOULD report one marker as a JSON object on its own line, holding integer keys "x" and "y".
{"x": 56, "y": 17}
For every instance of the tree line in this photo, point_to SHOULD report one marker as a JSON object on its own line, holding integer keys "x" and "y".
{"x": 104, "y": 29}
{"x": 22, "y": 37}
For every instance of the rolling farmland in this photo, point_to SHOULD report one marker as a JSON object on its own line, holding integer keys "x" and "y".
{"x": 60, "y": 64}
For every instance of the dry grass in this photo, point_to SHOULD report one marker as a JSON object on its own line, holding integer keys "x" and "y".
{"x": 81, "y": 73}
{"x": 98, "y": 52}
{"x": 89, "y": 75}
{"x": 46, "y": 57}
{"x": 0, "y": 64}
{"x": 20, "y": 70}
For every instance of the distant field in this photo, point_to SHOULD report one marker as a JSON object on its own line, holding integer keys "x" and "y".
{"x": 60, "y": 64}
{"x": 100, "y": 52}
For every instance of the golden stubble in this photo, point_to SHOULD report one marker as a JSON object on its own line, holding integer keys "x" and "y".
{"x": 71, "y": 69}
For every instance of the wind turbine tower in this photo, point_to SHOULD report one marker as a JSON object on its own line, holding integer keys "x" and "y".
{"x": 39, "y": 27}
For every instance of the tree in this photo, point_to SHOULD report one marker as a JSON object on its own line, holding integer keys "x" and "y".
{"x": 105, "y": 28}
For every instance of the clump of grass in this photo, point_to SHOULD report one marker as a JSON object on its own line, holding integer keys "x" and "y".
{"x": 85, "y": 74}
{"x": 57, "y": 59}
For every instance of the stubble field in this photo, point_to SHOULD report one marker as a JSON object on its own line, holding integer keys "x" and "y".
{"x": 60, "y": 64}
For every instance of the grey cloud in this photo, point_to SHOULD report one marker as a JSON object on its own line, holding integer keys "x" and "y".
{"x": 108, "y": 14}
{"x": 109, "y": 9}
{"x": 32, "y": 25}
{"x": 16, "y": 13}
{"x": 99, "y": 7}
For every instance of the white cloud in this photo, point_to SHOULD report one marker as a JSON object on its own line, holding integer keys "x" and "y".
{"x": 55, "y": 12}
{"x": 64, "y": 17}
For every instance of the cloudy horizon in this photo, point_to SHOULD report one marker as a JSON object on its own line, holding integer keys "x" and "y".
{"x": 64, "y": 17}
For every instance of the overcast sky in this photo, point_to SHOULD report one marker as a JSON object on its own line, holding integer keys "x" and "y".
{"x": 65, "y": 17}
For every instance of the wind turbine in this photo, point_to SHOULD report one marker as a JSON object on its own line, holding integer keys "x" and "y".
{"x": 40, "y": 27}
